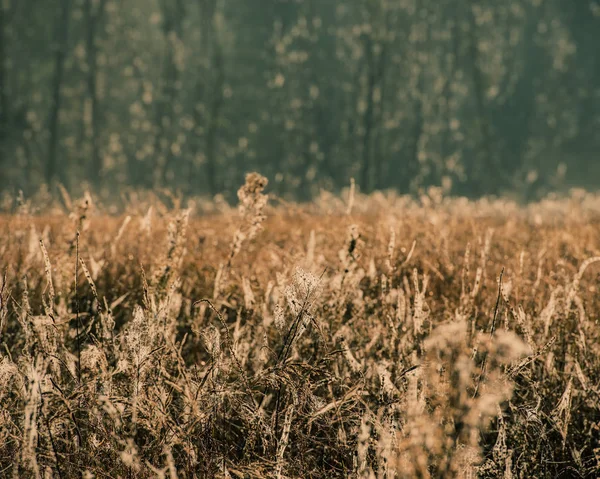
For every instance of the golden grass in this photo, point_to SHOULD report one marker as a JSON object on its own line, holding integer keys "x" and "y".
{"x": 291, "y": 340}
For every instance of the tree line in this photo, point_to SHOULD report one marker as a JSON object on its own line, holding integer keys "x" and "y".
{"x": 478, "y": 96}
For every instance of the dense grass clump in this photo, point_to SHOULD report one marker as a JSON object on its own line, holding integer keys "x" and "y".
{"x": 363, "y": 337}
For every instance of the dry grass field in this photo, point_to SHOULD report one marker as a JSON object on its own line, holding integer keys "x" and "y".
{"x": 364, "y": 337}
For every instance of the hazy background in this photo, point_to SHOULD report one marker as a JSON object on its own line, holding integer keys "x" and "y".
{"x": 478, "y": 96}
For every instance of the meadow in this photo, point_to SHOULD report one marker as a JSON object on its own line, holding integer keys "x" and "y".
{"x": 377, "y": 336}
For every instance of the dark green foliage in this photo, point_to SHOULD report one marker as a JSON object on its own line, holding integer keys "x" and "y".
{"x": 481, "y": 97}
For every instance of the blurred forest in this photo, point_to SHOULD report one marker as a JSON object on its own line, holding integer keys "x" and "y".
{"x": 477, "y": 96}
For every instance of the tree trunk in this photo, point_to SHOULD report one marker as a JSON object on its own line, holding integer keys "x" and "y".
{"x": 208, "y": 10}
{"x": 93, "y": 21}
{"x": 173, "y": 13}
{"x": 4, "y": 109}
{"x": 213, "y": 129}
{"x": 368, "y": 118}
{"x": 61, "y": 44}
{"x": 492, "y": 179}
